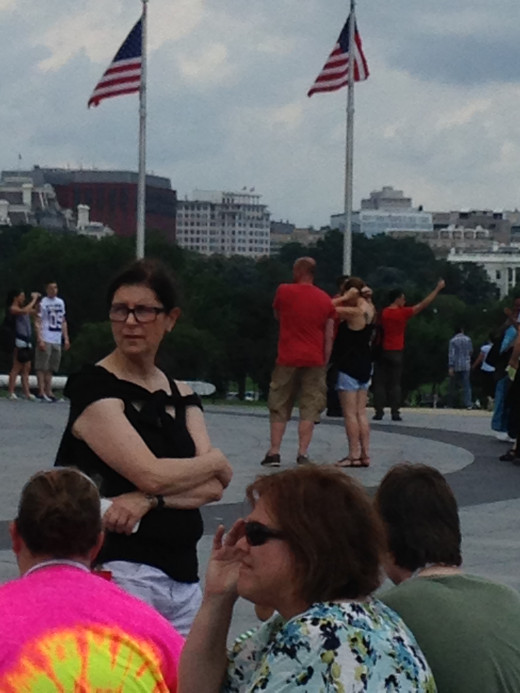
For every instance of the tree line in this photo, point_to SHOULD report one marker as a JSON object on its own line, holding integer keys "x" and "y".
{"x": 227, "y": 332}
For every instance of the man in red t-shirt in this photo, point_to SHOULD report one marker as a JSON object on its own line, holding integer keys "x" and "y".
{"x": 306, "y": 317}
{"x": 389, "y": 366}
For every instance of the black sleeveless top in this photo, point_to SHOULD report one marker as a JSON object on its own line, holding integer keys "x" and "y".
{"x": 166, "y": 538}
{"x": 351, "y": 352}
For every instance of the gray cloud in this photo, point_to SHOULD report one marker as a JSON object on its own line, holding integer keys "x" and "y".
{"x": 228, "y": 107}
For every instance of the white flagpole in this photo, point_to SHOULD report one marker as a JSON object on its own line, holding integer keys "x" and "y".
{"x": 349, "y": 160}
{"x": 141, "y": 176}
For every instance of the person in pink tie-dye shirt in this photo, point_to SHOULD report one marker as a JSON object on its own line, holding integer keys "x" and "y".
{"x": 63, "y": 628}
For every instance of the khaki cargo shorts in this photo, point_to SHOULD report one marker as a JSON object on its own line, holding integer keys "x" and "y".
{"x": 290, "y": 383}
{"x": 48, "y": 360}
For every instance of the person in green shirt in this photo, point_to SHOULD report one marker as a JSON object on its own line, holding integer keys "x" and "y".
{"x": 467, "y": 626}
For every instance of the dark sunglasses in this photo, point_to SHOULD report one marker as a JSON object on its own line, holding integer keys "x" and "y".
{"x": 257, "y": 534}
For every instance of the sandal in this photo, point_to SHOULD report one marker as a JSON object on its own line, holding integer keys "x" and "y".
{"x": 509, "y": 456}
{"x": 365, "y": 460}
{"x": 350, "y": 462}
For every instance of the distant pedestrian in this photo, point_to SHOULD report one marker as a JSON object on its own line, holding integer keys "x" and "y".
{"x": 388, "y": 368}
{"x": 505, "y": 339}
{"x": 485, "y": 373}
{"x": 306, "y": 317}
{"x": 459, "y": 366}
{"x": 18, "y": 318}
{"x": 52, "y": 331}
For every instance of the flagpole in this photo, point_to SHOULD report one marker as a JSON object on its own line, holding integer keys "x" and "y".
{"x": 141, "y": 177}
{"x": 349, "y": 159}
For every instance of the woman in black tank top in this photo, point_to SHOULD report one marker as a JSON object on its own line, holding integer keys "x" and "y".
{"x": 142, "y": 438}
{"x": 352, "y": 357}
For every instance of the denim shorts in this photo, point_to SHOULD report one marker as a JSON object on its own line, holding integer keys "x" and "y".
{"x": 347, "y": 383}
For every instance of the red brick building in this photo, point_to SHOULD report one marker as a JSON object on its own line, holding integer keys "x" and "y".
{"x": 112, "y": 197}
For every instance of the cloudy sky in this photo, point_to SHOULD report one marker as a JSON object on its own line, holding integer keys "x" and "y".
{"x": 439, "y": 116}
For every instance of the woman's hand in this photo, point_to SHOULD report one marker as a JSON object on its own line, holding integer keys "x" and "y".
{"x": 125, "y": 512}
{"x": 222, "y": 468}
{"x": 224, "y": 562}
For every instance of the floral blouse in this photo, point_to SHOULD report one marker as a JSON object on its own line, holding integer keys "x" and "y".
{"x": 345, "y": 647}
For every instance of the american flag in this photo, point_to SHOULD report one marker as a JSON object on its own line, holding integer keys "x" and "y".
{"x": 334, "y": 74}
{"x": 123, "y": 75}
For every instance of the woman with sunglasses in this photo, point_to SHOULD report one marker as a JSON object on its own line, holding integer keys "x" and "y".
{"x": 141, "y": 437}
{"x": 310, "y": 549}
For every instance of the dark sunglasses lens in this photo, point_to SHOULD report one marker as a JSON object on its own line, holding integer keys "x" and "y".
{"x": 257, "y": 534}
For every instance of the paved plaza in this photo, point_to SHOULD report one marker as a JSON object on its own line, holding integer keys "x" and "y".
{"x": 459, "y": 443}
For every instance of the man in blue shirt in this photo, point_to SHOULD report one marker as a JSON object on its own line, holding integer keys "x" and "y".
{"x": 459, "y": 363}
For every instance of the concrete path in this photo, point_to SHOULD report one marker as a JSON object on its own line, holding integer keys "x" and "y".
{"x": 457, "y": 442}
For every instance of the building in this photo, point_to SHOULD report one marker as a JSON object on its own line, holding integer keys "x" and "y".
{"x": 384, "y": 211}
{"x": 22, "y": 202}
{"x": 388, "y": 199}
{"x": 443, "y": 240}
{"x": 228, "y": 223}
{"x": 501, "y": 263}
{"x": 499, "y": 224}
{"x": 111, "y": 197}
{"x": 92, "y": 229}
{"x": 283, "y": 232}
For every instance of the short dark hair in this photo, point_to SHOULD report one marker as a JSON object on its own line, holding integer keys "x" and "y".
{"x": 394, "y": 294}
{"x": 421, "y": 517}
{"x": 59, "y": 514}
{"x": 331, "y": 528}
{"x": 150, "y": 273}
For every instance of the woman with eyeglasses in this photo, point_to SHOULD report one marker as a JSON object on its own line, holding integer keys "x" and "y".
{"x": 141, "y": 437}
{"x": 310, "y": 549}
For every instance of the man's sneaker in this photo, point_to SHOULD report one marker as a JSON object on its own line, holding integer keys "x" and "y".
{"x": 271, "y": 461}
{"x": 303, "y": 459}
{"x": 396, "y": 417}
{"x": 378, "y": 416}
{"x": 12, "y": 396}
{"x": 31, "y": 398}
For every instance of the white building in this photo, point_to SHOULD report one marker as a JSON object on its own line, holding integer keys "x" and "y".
{"x": 384, "y": 211}
{"x": 92, "y": 229}
{"x": 228, "y": 223}
{"x": 371, "y": 222}
{"x": 501, "y": 264}
{"x": 23, "y": 202}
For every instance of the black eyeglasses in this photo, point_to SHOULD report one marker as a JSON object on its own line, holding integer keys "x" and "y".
{"x": 119, "y": 312}
{"x": 257, "y": 534}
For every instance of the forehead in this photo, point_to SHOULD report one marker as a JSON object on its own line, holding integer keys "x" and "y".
{"x": 134, "y": 293}
{"x": 262, "y": 513}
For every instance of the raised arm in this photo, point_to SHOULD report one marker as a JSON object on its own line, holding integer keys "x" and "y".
{"x": 28, "y": 309}
{"x": 204, "y": 657}
{"x": 430, "y": 298}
